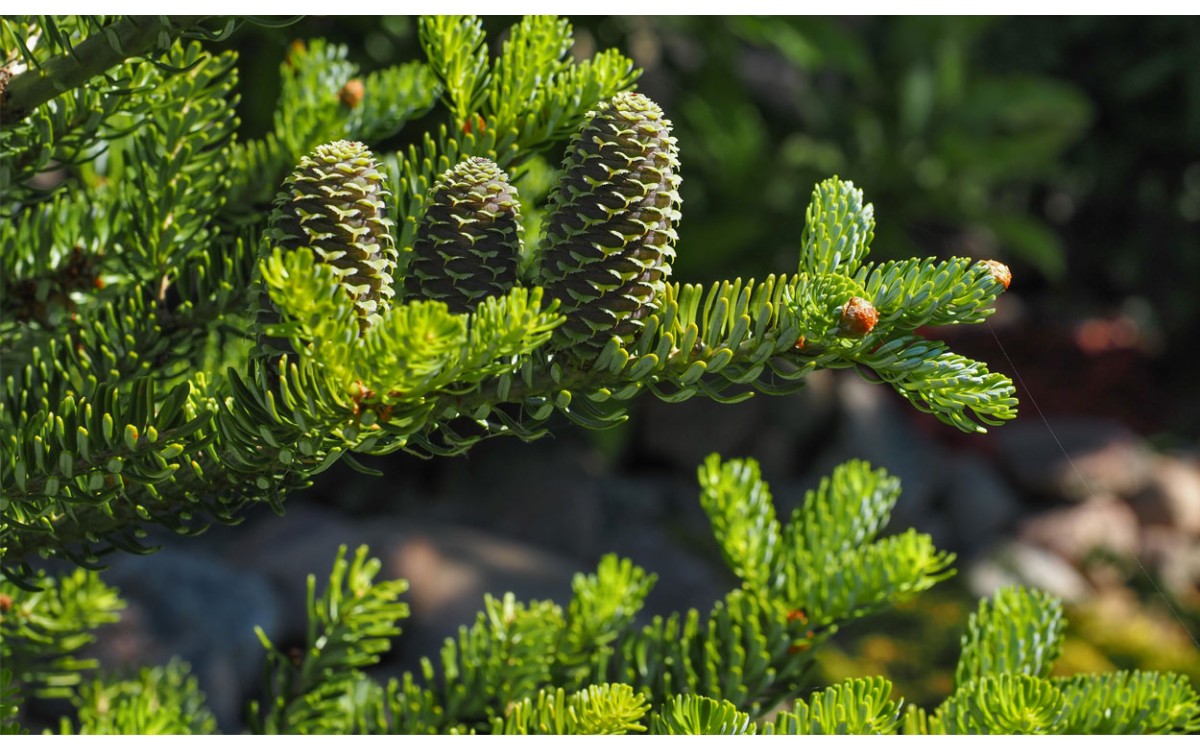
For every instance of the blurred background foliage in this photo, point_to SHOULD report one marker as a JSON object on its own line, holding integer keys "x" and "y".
{"x": 1068, "y": 148}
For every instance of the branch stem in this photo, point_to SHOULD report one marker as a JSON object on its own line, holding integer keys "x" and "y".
{"x": 128, "y": 37}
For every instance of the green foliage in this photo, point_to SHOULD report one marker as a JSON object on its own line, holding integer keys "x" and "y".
{"x": 602, "y": 607}
{"x": 589, "y": 668}
{"x": 1130, "y": 703}
{"x": 143, "y": 374}
{"x": 597, "y": 709}
{"x": 1002, "y": 685}
{"x": 349, "y": 626}
{"x": 146, "y": 383}
{"x": 859, "y": 706}
{"x": 160, "y": 700}
{"x": 825, "y": 562}
{"x": 695, "y": 714}
{"x": 1004, "y": 703}
{"x": 43, "y": 628}
{"x": 10, "y": 703}
{"x": 1019, "y": 631}
{"x": 950, "y": 124}
{"x": 838, "y": 229}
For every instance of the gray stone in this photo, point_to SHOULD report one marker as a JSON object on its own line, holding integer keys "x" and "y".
{"x": 777, "y": 431}
{"x": 979, "y": 504}
{"x": 197, "y": 608}
{"x": 1174, "y": 558}
{"x": 450, "y": 569}
{"x": 872, "y": 426}
{"x": 549, "y": 495}
{"x": 285, "y": 550}
{"x": 1102, "y": 523}
{"x": 1076, "y": 458}
{"x": 1172, "y": 496}
{"x": 688, "y": 576}
{"x": 682, "y": 435}
{"x": 1022, "y": 563}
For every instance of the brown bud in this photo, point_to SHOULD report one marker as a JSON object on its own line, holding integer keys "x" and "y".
{"x": 351, "y": 95}
{"x": 474, "y": 124}
{"x": 6, "y": 602}
{"x": 999, "y": 271}
{"x": 797, "y": 614}
{"x": 297, "y": 47}
{"x": 858, "y": 317}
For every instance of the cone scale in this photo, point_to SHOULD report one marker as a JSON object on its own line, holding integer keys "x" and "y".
{"x": 468, "y": 243}
{"x": 333, "y": 203}
{"x": 610, "y": 234}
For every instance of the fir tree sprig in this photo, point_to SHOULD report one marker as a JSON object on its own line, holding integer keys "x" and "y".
{"x": 107, "y": 414}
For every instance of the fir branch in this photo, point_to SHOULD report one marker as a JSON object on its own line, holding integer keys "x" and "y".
{"x": 1019, "y": 631}
{"x": 349, "y": 626}
{"x": 45, "y": 625}
{"x": 739, "y": 505}
{"x": 159, "y": 700}
{"x": 697, "y": 714}
{"x": 10, "y": 703}
{"x": 126, "y": 38}
{"x": 594, "y": 710}
{"x": 856, "y": 706}
{"x": 602, "y": 608}
{"x": 1002, "y": 704}
{"x": 1130, "y": 703}
{"x": 848, "y": 509}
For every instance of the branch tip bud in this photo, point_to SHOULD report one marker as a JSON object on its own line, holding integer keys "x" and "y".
{"x": 999, "y": 271}
{"x": 858, "y": 317}
{"x": 351, "y": 94}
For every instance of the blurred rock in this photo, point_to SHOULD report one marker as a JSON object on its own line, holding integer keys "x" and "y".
{"x": 682, "y": 435}
{"x": 449, "y": 569}
{"x": 1101, "y": 457}
{"x": 1102, "y": 522}
{"x": 1173, "y": 557}
{"x": 285, "y": 550}
{"x": 200, "y": 609}
{"x": 687, "y": 577}
{"x": 1172, "y": 497}
{"x": 551, "y": 499}
{"x": 873, "y": 426}
{"x": 1027, "y": 565}
{"x": 777, "y": 431}
{"x": 979, "y": 504}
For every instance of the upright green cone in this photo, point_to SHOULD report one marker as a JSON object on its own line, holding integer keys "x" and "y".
{"x": 610, "y": 234}
{"x": 333, "y": 203}
{"x": 468, "y": 243}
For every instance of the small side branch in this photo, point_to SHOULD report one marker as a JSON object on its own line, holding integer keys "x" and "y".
{"x": 129, "y": 37}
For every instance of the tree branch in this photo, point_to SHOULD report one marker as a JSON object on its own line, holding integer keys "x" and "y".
{"x": 129, "y": 37}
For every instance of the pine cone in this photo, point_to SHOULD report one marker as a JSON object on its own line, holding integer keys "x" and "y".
{"x": 333, "y": 203}
{"x": 468, "y": 242}
{"x": 610, "y": 236}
